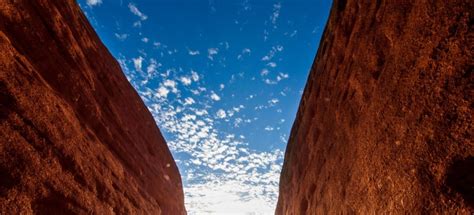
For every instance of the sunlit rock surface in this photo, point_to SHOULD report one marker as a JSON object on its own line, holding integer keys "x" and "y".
{"x": 385, "y": 122}
{"x": 74, "y": 135}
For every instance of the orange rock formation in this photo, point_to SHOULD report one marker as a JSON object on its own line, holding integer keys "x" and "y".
{"x": 385, "y": 125}
{"x": 74, "y": 135}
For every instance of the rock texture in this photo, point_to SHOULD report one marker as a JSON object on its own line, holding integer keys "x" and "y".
{"x": 385, "y": 125}
{"x": 75, "y": 138}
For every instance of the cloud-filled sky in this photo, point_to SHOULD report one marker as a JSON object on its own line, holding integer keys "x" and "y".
{"x": 223, "y": 80}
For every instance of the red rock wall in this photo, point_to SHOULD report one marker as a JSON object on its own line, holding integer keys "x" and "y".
{"x": 385, "y": 124}
{"x": 74, "y": 135}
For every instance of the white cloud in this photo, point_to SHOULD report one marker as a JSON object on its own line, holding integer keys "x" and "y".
{"x": 211, "y": 52}
{"x": 185, "y": 80}
{"x": 162, "y": 92}
{"x": 272, "y": 52}
{"x": 269, "y": 128}
{"x": 145, "y": 39}
{"x": 268, "y": 81}
{"x": 275, "y": 14}
{"x": 237, "y": 109}
{"x": 201, "y": 112}
{"x": 221, "y": 114}
{"x": 273, "y": 101}
{"x": 272, "y": 64}
{"x": 199, "y": 90}
{"x": 137, "y": 62}
{"x": 279, "y": 77}
{"x": 246, "y": 5}
{"x": 237, "y": 121}
{"x": 282, "y": 76}
{"x": 245, "y": 51}
{"x": 137, "y": 12}
{"x": 157, "y": 44}
{"x": 255, "y": 174}
{"x": 171, "y": 84}
{"x": 137, "y": 24}
{"x": 220, "y": 198}
{"x": 188, "y": 117}
{"x": 265, "y": 34}
{"x": 225, "y": 44}
{"x": 215, "y": 97}
{"x": 264, "y": 72}
{"x": 170, "y": 52}
{"x": 189, "y": 101}
{"x": 123, "y": 64}
{"x": 221, "y": 86}
{"x": 93, "y": 2}
{"x": 152, "y": 67}
{"x": 121, "y": 37}
{"x": 279, "y": 48}
{"x": 191, "y": 52}
{"x": 294, "y": 33}
{"x": 195, "y": 76}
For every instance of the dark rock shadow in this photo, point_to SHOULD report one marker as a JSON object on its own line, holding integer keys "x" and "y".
{"x": 460, "y": 178}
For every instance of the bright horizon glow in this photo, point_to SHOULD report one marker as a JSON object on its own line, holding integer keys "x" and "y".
{"x": 223, "y": 80}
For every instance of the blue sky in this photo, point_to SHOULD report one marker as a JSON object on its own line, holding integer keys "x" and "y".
{"x": 223, "y": 80}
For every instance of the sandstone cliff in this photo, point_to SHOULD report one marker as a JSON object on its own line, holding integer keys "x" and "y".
{"x": 74, "y": 135}
{"x": 385, "y": 124}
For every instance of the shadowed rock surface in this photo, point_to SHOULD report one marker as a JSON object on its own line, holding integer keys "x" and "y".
{"x": 385, "y": 122}
{"x": 75, "y": 138}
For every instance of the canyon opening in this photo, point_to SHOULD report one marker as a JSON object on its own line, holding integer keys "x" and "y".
{"x": 223, "y": 82}
{"x": 236, "y": 107}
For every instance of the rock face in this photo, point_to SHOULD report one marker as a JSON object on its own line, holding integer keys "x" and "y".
{"x": 385, "y": 124}
{"x": 75, "y": 138}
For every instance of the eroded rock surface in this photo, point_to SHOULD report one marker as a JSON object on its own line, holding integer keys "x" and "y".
{"x": 74, "y": 135}
{"x": 385, "y": 124}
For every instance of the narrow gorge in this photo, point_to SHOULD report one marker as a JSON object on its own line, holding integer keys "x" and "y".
{"x": 384, "y": 126}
